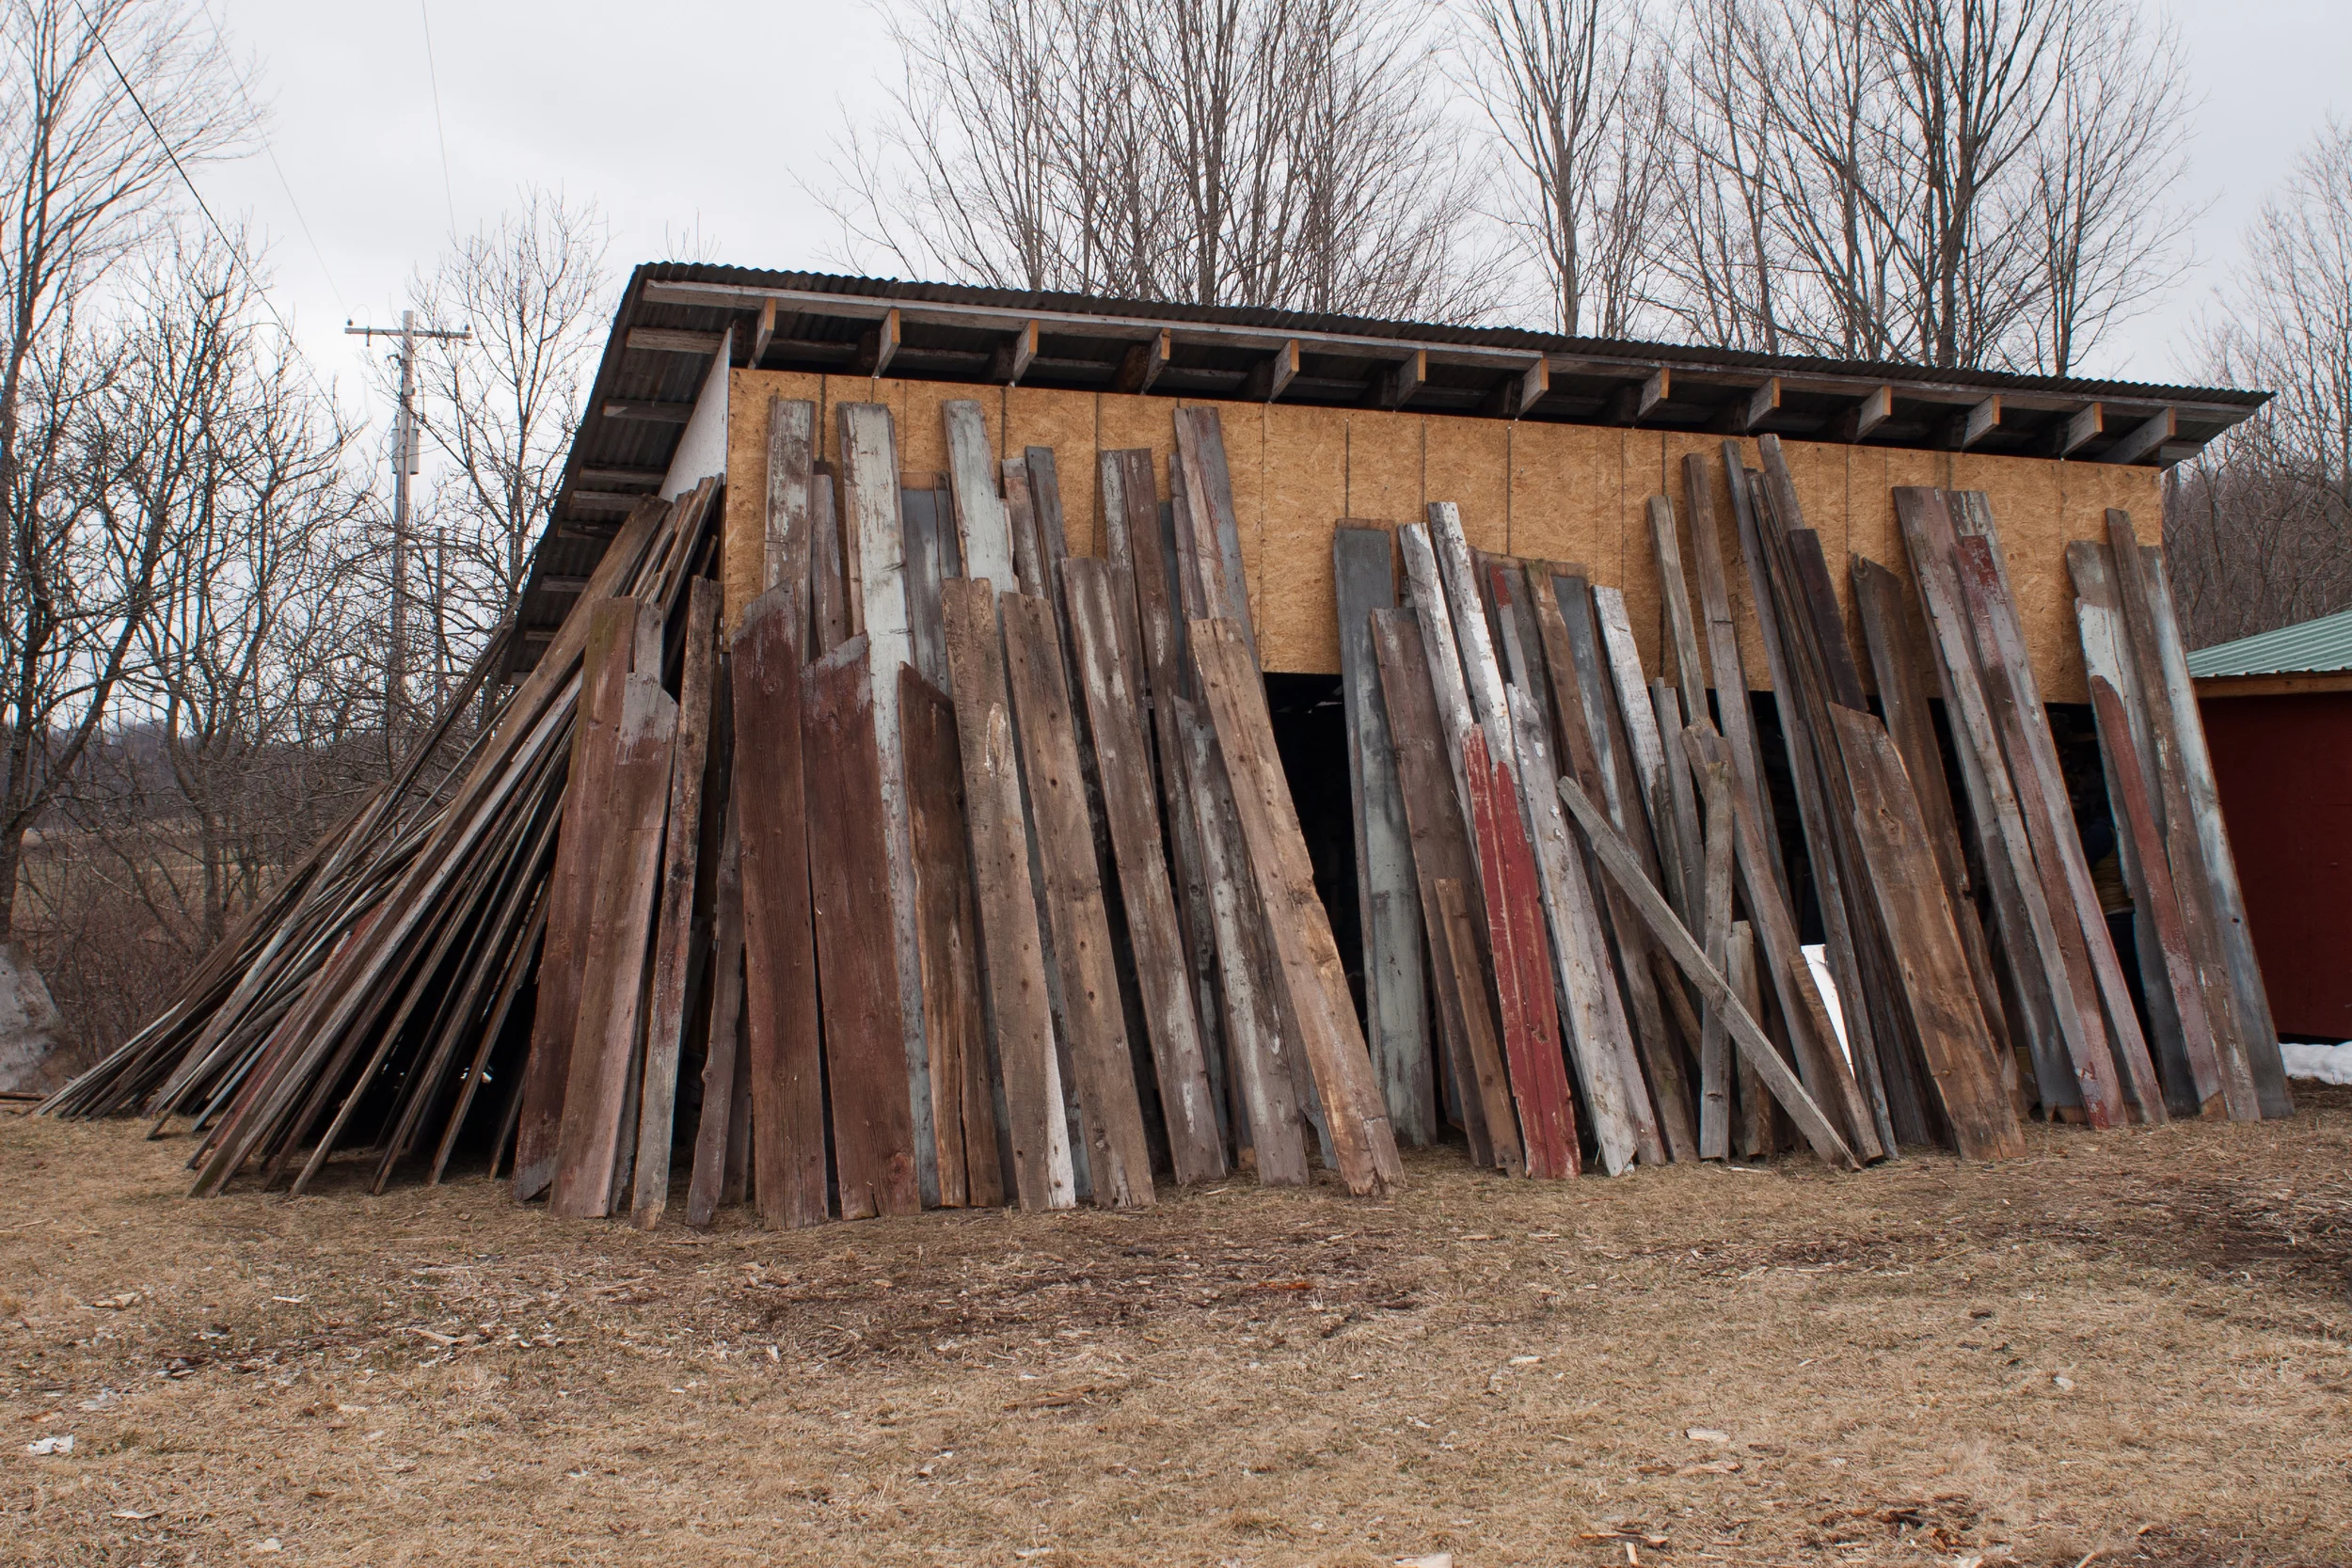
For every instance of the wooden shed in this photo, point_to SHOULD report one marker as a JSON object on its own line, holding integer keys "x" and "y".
{"x": 1549, "y": 445}
{"x": 2278, "y": 712}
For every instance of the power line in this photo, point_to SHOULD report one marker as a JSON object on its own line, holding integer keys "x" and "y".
{"x": 236, "y": 251}
{"x": 270, "y": 152}
{"x": 434, "y": 76}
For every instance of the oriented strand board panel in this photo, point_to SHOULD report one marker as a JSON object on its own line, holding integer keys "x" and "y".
{"x": 1384, "y": 465}
{"x": 1306, "y": 492}
{"x": 1124, "y": 423}
{"x": 1469, "y": 463}
{"x": 1565, "y": 486}
{"x": 1872, "y": 530}
{"x": 742, "y": 562}
{"x": 914, "y": 410}
{"x": 1039, "y": 417}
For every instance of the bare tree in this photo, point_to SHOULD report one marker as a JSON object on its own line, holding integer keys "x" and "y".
{"x": 98, "y": 101}
{"x": 1960, "y": 183}
{"x": 500, "y": 407}
{"x": 1277, "y": 152}
{"x": 1576, "y": 105}
{"x": 2260, "y": 531}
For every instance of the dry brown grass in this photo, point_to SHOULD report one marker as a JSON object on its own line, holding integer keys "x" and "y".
{"x": 2134, "y": 1344}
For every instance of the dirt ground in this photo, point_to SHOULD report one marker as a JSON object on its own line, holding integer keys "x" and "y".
{"x": 2124, "y": 1348}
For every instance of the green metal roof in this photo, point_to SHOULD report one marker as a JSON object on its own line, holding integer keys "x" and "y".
{"x": 2307, "y": 647}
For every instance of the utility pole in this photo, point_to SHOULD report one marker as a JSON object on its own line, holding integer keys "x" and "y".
{"x": 406, "y": 451}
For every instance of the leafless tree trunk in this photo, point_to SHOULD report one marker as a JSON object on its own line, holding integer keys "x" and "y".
{"x": 1575, "y": 104}
{"x": 85, "y": 176}
{"x": 1277, "y": 152}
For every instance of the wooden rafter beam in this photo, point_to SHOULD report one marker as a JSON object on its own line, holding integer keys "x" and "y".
{"x": 605, "y": 479}
{"x": 1403, "y": 379}
{"x": 555, "y": 583}
{"x": 1012, "y": 357}
{"x": 1142, "y": 363}
{"x": 1631, "y": 405}
{"x": 604, "y": 500}
{"x": 2072, "y": 433}
{"x": 763, "y": 331}
{"x": 650, "y": 413}
{"x": 2143, "y": 439}
{"x": 880, "y": 345}
{"x": 662, "y": 340}
{"x": 1866, "y": 415}
{"x": 1745, "y": 413}
{"x": 1272, "y": 374}
{"x": 1977, "y": 424}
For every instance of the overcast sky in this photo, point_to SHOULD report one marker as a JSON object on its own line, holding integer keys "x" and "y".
{"x": 694, "y": 115}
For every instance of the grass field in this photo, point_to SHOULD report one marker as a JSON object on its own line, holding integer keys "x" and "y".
{"x": 2136, "y": 1345}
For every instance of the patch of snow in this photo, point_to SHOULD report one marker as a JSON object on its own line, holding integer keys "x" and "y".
{"x": 2325, "y": 1064}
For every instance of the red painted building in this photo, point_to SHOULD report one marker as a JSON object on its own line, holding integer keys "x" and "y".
{"x": 2277, "y": 712}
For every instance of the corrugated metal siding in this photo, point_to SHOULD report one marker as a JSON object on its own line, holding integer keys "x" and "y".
{"x": 2307, "y": 647}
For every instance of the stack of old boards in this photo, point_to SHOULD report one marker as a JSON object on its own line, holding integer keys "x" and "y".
{"x": 1659, "y": 941}
{"x": 963, "y": 870}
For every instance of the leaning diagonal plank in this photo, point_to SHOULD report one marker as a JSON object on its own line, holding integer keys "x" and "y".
{"x": 1616, "y": 856}
{"x": 871, "y": 502}
{"x": 2202, "y": 875}
{"x": 2213, "y": 833}
{"x": 791, "y": 501}
{"x": 573, "y": 886}
{"x": 1364, "y": 576}
{"x": 1930, "y": 967}
{"x": 1440, "y": 852}
{"x": 2160, "y": 901}
{"x": 982, "y": 533}
{"x": 1011, "y": 948}
{"x": 1310, "y": 975}
{"x": 1079, "y": 924}
{"x": 779, "y": 939}
{"x": 1462, "y": 986}
{"x": 722, "y": 1040}
{"x": 874, "y": 1138}
{"x": 1097, "y": 591}
{"x": 2028, "y": 930}
{"x": 1206, "y": 518}
{"x": 1714, "y": 1053}
{"x": 665, "y": 1025}
{"x": 963, "y": 1117}
{"x": 604, "y": 1040}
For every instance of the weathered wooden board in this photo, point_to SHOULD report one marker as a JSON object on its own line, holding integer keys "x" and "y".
{"x": 973, "y": 478}
{"x": 2237, "y": 938}
{"x": 1078, "y": 923}
{"x": 850, "y": 874}
{"x": 1214, "y": 527}
{"x": 1463, "y": 985}
{"x": 1547, "y": 593}
{"x": 1665, "y": 540}
{"x": 1262, "y": 1075}
{"x": 791, "y": 501}
{"x": 963, "y": 1117}
{"x": 781, "y": 1026}
{"x": 1639, "y": 720}
{"x": 1756, "y": 1139}
{"x": 832, "y": 612}
{"x": 1616, "y": 856}
{"x": 2082, "y": 929}
{"x": 1396, "y": 1007}
{"x": 606, "y": 1035}
{"x": 2029, "y": 934}
{"x": 665, "y": 1027}
{"x": 1732, "y": 682}
{"x": 1313, "y": 983}
{"x": 571, "y": 896}
{"x": 2206, "y": 881}
{"x": 933, "y": 558}
{"x": 1931, "y": 965}
{"x": 2154, "y": 894}
{"x": 724, "y": 1054}
{"x": 1439, "y": 845}
{"x": 1716, "y": 783}
{"x": 1100, "y": 599}
{"x": 1010, "y": 942}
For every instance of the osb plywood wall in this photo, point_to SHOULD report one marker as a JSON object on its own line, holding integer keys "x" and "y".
{"x": 1566, "y": 493}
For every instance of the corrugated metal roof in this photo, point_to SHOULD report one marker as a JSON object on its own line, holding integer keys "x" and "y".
{"x": 2307, "y": 647}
